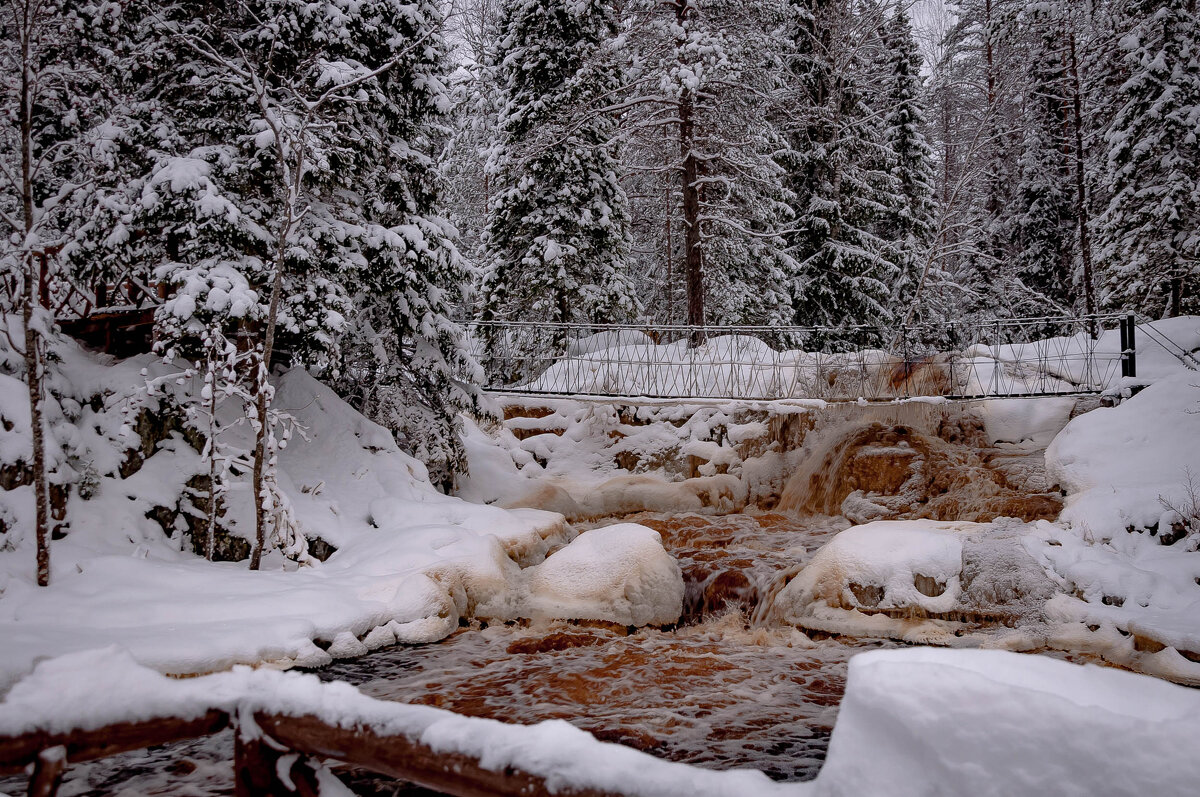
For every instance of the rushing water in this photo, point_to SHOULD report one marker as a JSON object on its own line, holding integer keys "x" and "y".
{"x": 718, "y": 691}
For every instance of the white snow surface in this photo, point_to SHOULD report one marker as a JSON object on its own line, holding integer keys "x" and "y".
{"x": 925, "y": 721}
{"x": 1116, "y": 463}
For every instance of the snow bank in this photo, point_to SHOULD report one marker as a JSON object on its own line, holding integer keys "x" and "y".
{"x": 1125, "y": 547}
{"x": 981, "y": 722}
{"x": 1116, "y": 463}
{"x": 409, "y": 561}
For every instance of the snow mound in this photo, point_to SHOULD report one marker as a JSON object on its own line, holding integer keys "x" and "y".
{"x": 617, "y": 573}
{"x": 917, "y": 580}
{"x": 1116, "y": 463}
{"x": 984, "y": 722}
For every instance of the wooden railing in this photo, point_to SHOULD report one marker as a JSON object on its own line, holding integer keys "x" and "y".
{"x": 261, "y": 740}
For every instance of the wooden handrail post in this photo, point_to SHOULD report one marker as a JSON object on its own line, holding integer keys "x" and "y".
{"x": 48, "y": 772}
{"x": 259, "y": 764}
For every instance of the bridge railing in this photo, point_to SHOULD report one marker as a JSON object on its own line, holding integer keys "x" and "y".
{"x": 1000, "y": 358}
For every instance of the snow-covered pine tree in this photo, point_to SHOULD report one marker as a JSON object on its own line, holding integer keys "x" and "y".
{"x": 293, "y": 149}
{"x": 1043, "y": 223}
{"x": 909, "y": 231}
{"x": 557, "y": 240}
{"x": 840, "y": 175}
{"x": 1150, "y": 233}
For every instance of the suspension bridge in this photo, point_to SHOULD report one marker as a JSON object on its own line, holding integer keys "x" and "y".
{"x": 955, "y": 360}
{"x": 1000, "y": 358}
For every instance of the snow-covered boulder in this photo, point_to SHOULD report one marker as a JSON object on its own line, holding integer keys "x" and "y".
{"x": 619, "y": 574}
{"x": 986, "y": 722}
{"x": 917, "y": 580}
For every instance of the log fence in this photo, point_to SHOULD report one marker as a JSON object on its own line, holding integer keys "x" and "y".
{"x": 262, "y": 743}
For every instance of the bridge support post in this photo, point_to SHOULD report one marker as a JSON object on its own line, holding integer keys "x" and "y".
{"x": 1124, "y": 348}
{"x": 1132, "y": 359}
{"x": 1129, "y": 345}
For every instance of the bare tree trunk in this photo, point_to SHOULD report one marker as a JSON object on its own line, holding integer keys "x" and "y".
{"x": 1081, "y": 208}
{"x": 261, "y": 388}
{"x": 33, "y": 278}
{"x": 33, "y": 377}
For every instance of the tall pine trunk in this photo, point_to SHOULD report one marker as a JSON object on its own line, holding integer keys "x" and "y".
{"x": 693, "y": 263}
{"x": 1081, "y": 208}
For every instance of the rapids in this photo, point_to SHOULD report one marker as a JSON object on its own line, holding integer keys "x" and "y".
{"x": 718, "y": 690}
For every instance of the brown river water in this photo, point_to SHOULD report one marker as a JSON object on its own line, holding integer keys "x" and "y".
{"x": 720, "y": 690}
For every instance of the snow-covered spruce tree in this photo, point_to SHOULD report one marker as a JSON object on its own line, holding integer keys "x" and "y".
{"x": 1150, "y": 233}
{"x": 292, "y": 147}
{"x": 1044, "y": 223}
{"x": 557, "y": 240}
{"x": 909, "y": 230}
{"x": 841, "y": 178}
{"x": 52, "y": 131}
{"x": 698, "y": 146}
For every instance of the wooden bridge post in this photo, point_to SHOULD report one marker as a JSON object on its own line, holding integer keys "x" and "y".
{"x": 259, "y": 765}
{"x": 1124, "y": 347}
{"x": 48, "y": 772}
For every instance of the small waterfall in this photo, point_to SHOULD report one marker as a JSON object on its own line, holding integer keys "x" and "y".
{"x": 923, "y": 462}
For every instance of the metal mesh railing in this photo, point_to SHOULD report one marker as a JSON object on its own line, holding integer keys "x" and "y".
{"x": 1001, "y": 358}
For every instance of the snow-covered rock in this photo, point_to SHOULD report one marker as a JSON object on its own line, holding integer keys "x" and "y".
{"x": 984, "y": 722}
{"x": 917, "y": 580}
{"x": 616, "y": 573}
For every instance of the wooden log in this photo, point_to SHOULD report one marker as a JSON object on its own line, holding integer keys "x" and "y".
{"x": 408, "y": 759}
{"x": 48, "y": 771}
{"x": 18, "y": 752}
